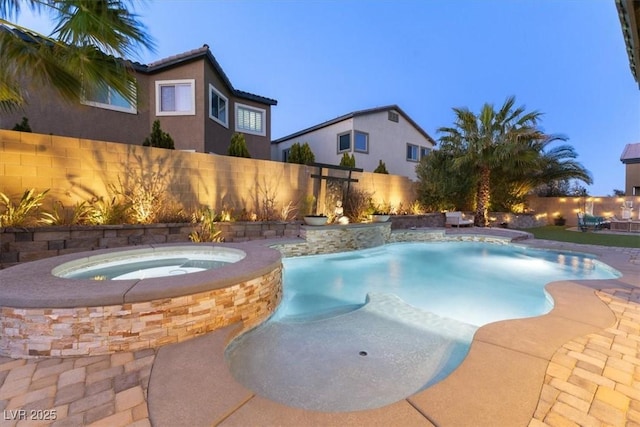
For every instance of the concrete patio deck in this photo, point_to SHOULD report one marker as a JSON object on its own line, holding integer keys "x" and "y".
{"x": 577, "y": 365}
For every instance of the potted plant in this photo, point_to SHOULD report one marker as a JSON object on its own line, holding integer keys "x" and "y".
{"x": 316, "y": 219}
{"x": 380, "y": 216}
{"x": 559, "y": 220}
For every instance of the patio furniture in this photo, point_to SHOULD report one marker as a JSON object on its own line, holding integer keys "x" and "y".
{"x": 458, "y": 219}
{"x": 586, "y": 221}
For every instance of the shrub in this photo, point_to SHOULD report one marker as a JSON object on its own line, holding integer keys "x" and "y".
{"x": 301, "y": 154}
{"x": 208, "y": 231}
{"x": 348, "y": 160}
{"x": 23, "y": 213}
{"x": 238, "y": 146}
{"x": 356, "y": 205}
{"x": 108, "y": 212}
{"x": 158, "y": 138}
{"x": 381, "y": 168}
{"x": 59, "y": 215}
{"x": 23, "y": 126}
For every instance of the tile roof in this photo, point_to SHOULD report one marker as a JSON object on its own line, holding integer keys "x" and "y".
{"x": 204, "y": 52}
{"x": 356, "y": 114}
{"x": 629, "y": 14}
{"x": 631, "y": 153}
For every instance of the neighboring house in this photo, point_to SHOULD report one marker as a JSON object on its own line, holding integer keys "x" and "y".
{"x": 629, "y": 14}
{"x": 631, "y": 159}
{"x": 384, "y": 133}
{"x": 189, "y": 93}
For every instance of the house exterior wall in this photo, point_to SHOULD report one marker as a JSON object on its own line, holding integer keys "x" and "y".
{"x": 217, "y": 137}
{"x": 387, "y": 142}
{"x": 50, "y": 114}
{"x": 632, "y": 179}
{"x": 258, "y": 145}
{"x": 187, "y": 131}
{"x": 323, "y": 143}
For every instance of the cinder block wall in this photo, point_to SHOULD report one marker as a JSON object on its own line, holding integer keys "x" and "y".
{"x": 79, "y": 169}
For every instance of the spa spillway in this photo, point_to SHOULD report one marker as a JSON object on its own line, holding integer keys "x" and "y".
{"x": 112, "y": 300}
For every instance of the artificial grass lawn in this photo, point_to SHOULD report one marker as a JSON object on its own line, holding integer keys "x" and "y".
{"x": 561, "y": 234}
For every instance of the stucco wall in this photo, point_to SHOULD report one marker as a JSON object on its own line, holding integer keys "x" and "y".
{"x": 387, "y": 142}
{"x": 77, "y": 169}
{"x": 632, "y": 179}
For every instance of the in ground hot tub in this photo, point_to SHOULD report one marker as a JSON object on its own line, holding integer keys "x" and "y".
{"x": 147, "y": 264}
{"x": 156, "y": 295}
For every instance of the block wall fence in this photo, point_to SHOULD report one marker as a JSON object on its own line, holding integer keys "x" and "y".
{"x": 77, "y": 169}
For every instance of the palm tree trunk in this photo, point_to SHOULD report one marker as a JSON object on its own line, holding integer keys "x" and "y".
{"x": 483, "y": 198}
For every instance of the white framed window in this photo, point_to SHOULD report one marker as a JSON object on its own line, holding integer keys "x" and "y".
{"x": 250, "y": 120}
{"x": 108, "y": 98}
{"x": 176, "y": 97}
{"x": 344, "y": 142}
{"x": 412, "y": 152}
{"x": 424, "y": 151}
{"x": 361, "y": 142}
{"x": 218, "y": 107}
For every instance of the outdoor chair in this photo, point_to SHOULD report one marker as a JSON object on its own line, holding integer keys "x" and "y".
{"x": 586, "y": 221}
{"x": 457, "y": 219}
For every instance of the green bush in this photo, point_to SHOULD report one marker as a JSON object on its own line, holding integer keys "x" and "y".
{"x": 301, "y": 154}
{"x": 23, "y": 126}
{"x": 208, "y": 232}
{"x": 238, "y": 147}
{"x": 158, "y": 138}
{"x": 348, "y": 160}
{"x": 382, "y": 168}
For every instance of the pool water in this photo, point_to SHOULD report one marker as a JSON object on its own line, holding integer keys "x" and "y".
{"x": 363, "y": 329}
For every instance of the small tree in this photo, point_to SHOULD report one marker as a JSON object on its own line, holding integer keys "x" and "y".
{"x": 23, "y": 126}
{"x": 158, "y": 138}
{"x": 381, "y": 168}
{"x": 348, "y": 160}
{"x": 238, "y": 146}
{"x": 301, "y": 154}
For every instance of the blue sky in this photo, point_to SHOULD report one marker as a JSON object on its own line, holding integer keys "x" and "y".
{"x": 321, "y": 59}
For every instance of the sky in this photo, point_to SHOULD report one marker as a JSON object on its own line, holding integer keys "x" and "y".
{"x": 321, "y": 59}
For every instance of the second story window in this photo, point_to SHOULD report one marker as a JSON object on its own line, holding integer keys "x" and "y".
{"x": 218, "y": 106}
{"x": 108, "y": 98}
{"x": 175, "y": 97}
{"x": 344, "y": 142}
{"x": 361, "y": 142}
{"x": 250, "y": 120}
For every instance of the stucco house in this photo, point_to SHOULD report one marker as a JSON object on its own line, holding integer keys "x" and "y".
{"x": 631, "y": 159}
{"x": 383, "y": 133}
{"x": 189, "y": 93}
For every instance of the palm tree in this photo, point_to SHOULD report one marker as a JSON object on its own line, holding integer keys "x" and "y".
{"x": 492, "y": 140}
{"x": 83, "y": 54}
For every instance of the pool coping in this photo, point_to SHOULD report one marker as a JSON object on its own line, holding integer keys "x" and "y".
{"x": 500, "y": 380}
{"x": 19, "y": 290}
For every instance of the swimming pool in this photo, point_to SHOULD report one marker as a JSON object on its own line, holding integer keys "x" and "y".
{"x": 363, "y": 329}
